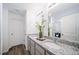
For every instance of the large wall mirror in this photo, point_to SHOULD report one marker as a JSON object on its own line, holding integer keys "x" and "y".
{"x": 64, "y": 19}
{"x": 54, "y": 25}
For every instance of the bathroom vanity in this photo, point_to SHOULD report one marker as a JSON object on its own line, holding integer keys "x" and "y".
{"x": 51, "y": 47}
{"x": 36, "y": 49}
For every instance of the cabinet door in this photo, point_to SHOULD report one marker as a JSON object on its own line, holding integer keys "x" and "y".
{"x": 32, "y": 47}
{"x": 32, "y": 50}
{"x": 39, "y": 50}
{"x": 29, "y": 44}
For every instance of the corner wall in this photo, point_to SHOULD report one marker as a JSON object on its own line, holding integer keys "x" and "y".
{"x": 0, "y": 27}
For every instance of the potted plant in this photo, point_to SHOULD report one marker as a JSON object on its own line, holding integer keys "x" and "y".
{"x": 40, "y": 26}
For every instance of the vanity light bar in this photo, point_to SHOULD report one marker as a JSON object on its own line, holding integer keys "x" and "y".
{"x": 51, "y": 5}
{"x": 39, "y": 13}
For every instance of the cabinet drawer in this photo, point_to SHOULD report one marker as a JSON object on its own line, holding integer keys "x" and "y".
{"x": 40, "y": 49}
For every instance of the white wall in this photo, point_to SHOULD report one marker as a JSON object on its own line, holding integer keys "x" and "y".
{"x": 32, "y": 17}
{"x": 0, "y": 28}
{"x": 5, "y": 30}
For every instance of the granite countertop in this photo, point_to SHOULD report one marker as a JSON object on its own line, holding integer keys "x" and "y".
{"x": 65, "y": 48}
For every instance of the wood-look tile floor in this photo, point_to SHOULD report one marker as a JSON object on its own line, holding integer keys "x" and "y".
{"x": 17, "y": 50}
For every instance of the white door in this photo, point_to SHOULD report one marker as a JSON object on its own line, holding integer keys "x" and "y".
{"x": 16, "y": 29}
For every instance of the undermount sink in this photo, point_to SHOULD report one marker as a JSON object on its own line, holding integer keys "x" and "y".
{"x": 52, "y": 45}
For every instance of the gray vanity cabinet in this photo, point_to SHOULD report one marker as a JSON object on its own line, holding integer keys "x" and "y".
{"x": 35, "y": 49}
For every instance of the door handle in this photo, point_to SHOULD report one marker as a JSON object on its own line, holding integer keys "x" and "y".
{"x": 11, "y": 33}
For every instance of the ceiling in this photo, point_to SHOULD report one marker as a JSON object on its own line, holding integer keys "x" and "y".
{"x": 22, "y": 7}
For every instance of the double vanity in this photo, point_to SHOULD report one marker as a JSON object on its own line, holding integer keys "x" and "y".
{"x": 51, "y": 46}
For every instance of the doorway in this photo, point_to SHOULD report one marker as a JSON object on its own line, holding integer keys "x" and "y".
{"x": 16, "y": 28}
